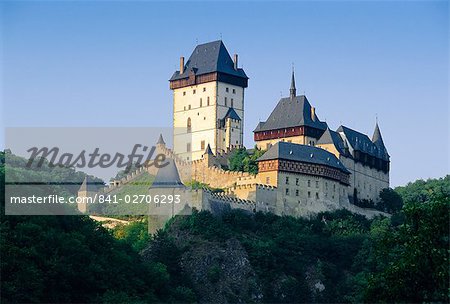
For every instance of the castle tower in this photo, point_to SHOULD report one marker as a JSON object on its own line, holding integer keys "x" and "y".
{"x": 87, "y": 190}
{"x": 208, "y": 102}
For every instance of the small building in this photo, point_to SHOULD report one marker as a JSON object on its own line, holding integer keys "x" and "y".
{"x": 307, "y": 178}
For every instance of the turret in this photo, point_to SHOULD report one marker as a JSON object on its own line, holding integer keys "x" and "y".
{"x": 293, "y": 90}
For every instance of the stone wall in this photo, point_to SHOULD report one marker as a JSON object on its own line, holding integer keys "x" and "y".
{"x": 367, "y": 181}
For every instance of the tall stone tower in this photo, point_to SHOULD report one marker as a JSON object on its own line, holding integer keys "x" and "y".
{"x": 208, "y": 102}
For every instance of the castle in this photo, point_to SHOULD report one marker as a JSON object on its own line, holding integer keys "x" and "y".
{"x": 306, "y": 168}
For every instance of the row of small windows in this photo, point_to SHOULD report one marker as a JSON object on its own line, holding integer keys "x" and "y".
{"x": 208, "y": 103}
{"x": 189, "y": 147}
{"x": 297, "y": 193}
{"x": 297, "y": 182}
{"x": 204, "y": 90}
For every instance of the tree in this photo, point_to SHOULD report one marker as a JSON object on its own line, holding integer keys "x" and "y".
{"x": 390, "y": 201}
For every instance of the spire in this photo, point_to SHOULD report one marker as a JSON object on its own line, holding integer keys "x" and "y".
{"x": 293, "y": 90}
{"x": 208, "y": 150}
{"x": 160, "y": 140}
{"x": 376, "y": 138}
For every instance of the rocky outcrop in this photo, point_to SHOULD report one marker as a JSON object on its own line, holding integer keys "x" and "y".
{"x": 221, "y": 273}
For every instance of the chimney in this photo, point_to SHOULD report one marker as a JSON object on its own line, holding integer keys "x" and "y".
{"x": 235, "y": 61}
{"x": 181, "y": 65}
{"x": 313, "y": 113}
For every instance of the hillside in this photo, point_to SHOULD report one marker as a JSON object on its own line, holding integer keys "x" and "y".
{"x": 260, "y": 258}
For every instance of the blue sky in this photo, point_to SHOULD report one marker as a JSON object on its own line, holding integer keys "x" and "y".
{"x": 98, "y": 63}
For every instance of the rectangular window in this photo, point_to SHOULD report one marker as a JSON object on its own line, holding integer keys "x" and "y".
{"x": 204, "y": 89}
{"x": 317, "y": 184}
{"x": 287, "y": 191}
{"x": 297, "y": 181}
{"x": 202, "y": 145}
{"x": 193, "y": 92}
{"x": 188, "y": 147}
{"x": 201, "y": 102}
{"x": 309, "y": 194}
{"x": 226, "y": 101}
{"x": 232, "y": 103}
{"x": 287, "y": 180}
{"x": 207, "y": 101}
{"x": 189, "y": 107}
{"x": 296, "y": 192}
{"x": 309, "y": 183}
{"x": 268, "y": 180}
{"x": 226, "y": 89}
{"x": 184, "y": 93}
{"x": 317, "y": 195}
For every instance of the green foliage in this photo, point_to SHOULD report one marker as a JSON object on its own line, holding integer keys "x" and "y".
{"x": 421, "y": 191}
{"x": 67, "y": 259}
{"x": 214, "y": 273}
{"x": 195, "y": 185}
{"x": 64, "y": 259}
{"x": 135, "y": 234}
{"x": 390, "y": 201}
{"x": 417, "y": 267}
{"x": 242, "y": 160}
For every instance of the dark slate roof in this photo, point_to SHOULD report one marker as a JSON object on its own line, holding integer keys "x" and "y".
{"x": 161, "y": 140}
{"x": 208, "y": 150}
{"x": 291, "y": 112}
{"x": 208, "y": 58}
{"x": 167, "y": 176}
{"x": 332, "y": 137}
{"x": 303, "y": 153}
{"x": 377, "y": 139}
{"x": 361, "y": 142}
{"x": 232, "y": 114}
{"x": 88, "y": 185}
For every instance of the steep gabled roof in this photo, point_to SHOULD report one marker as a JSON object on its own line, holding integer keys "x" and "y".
{"x": 377, "y": 139}
{"x": 332, "y": 137}
{"x": 167, "y": 176}
{"x": 208, "y": 150}
{"x": 209, "y": 58}
{"x": 160, "y": 140}
{"x": 302, "y": 153}
{"x": 291, "y": 112}
{"x": 361, "y": 142}
{"x": 231, "y": 113}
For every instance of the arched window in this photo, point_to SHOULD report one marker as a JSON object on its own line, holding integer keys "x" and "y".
{"x": 189, "y": 125}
